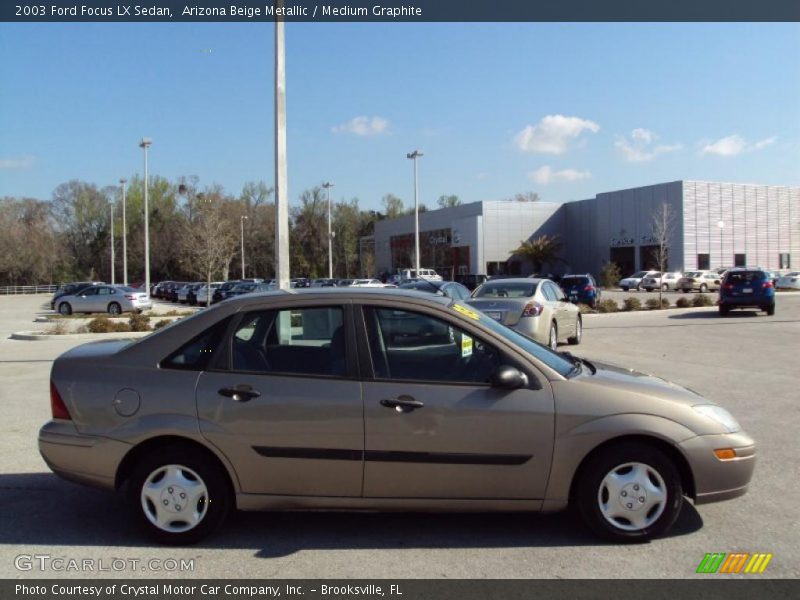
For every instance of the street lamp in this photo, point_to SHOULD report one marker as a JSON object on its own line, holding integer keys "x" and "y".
{"x": 328, "y": 185}
{"x": 123, "y": 181}
{"x": 111, "y": 204}
{"x": 414, "y": 156}
{"x": 721, "y": 225}
{"x": 145, "y": 144}
{"x": 241, "y": 222}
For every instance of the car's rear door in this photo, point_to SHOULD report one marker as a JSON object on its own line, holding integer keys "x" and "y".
{"x": 434, "y": 427}
{"x": 284, "y": 403}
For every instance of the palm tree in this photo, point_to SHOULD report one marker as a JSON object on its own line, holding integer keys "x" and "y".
{"x": 539, "y": 251}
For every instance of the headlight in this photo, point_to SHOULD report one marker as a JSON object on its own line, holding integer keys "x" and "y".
{"x": 720, "y": 415}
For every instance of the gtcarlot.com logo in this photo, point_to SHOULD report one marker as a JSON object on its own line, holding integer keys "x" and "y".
{"x": 736, "y": 562}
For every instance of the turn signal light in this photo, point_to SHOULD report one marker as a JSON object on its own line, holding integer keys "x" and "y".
{"x": 725, "y": 453}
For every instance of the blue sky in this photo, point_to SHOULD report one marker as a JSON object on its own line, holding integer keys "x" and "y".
{"x": 567, "y": 110}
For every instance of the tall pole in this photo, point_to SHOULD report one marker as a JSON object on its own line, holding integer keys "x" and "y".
{"x": 414, "y": 156}
{"x": 328, "y": 185}
{"x": 124, "y": 237}
{"x": 281, "y": 173}
{"x": 145, "y": 144}
{"x": 111, "y": 204}
{"x": 241, "y": 221}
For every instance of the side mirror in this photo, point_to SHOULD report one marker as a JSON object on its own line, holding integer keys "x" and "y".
{"x": 508, "y": 378}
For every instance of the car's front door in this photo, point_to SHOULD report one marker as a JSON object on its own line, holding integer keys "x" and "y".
{"x": 284, "y": 405}
{"x": 89, "y": 300}
{"x": 434, "y": 427}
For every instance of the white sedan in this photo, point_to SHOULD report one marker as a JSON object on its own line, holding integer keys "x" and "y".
{"x": 790, "y": 281}
{"x": 113, "y": 299}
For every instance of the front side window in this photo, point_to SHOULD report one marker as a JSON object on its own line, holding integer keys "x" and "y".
{"x": 304, "y": 341}
{"x": 413, "y": 346}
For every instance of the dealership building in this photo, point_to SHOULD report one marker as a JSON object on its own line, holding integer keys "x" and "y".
{"x": 712, "y": 225}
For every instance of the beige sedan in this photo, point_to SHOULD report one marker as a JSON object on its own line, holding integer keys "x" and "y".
{"x": 537, "y": 308}
{"x": 702, "y": 281}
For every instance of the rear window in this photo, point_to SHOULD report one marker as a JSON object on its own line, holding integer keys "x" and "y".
{"x": 744, "y": 277}
{"x": 569, "y": 281}
{"x": 509, "y": 289}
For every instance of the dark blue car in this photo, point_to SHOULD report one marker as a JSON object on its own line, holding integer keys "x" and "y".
{"x": 746, "y": 288}
{"x": 581, "y": 289}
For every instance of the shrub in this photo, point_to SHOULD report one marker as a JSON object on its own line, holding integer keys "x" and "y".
{"x": 702, "y": 300}
{"x": 607, "y": 306}
{"x": 683, "y": 302}
{"x": 610, "y": 275}
{"x": 139, "y": 322}
{"x": 58, "y": 328}
{"x": 654, "y": 304}
{"x": 121, "y": 327}
{"x": 161, "y": 323}
{"x": 100, "y": 324}
{"x": 585, "y": 308}
{"x": 632, "y": 304}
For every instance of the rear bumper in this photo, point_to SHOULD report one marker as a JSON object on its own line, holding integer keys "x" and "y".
{"x": 716, "y": 479}
{"x": 85, "y": 459}
{"x": 747, "y": 301}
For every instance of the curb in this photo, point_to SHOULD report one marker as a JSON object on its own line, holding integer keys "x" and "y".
{"x": 38, "y": 336}
{"x": 639, "y": 312}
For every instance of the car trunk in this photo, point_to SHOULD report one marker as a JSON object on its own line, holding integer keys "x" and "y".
{"x": 507, "y": 311}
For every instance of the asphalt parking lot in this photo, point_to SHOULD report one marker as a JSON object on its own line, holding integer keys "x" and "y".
{"x": 746, "y": 362}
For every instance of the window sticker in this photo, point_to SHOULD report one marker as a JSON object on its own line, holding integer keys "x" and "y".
{"x": 466, "y": 312}
{"x": 466, "y": 346}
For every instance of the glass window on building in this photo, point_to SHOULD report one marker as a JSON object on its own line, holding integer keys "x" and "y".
{"x": 784, "y": 260}
{"x": 739, "y": 260}
{"x": 704, "y": 262}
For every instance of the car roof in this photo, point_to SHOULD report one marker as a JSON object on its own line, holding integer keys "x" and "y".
{"x": 340, "y": 294}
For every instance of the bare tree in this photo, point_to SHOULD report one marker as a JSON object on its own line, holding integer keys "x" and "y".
{"x": 662, "y": 227}
{"x": 208, "y": 239}
{"x": 448, "y": 201}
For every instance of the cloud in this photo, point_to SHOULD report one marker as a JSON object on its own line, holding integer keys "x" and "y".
{"x": 546, "y": 175}
{"x": 24, "y": 162}
{"x": 733, "y": 145}
{"x": 553, "y": 133}
{"x": 363, "y": 126}
{"x": 640, "y": 146}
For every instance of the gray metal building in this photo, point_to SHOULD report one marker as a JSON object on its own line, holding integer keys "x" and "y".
{"x": 714, "y": 225}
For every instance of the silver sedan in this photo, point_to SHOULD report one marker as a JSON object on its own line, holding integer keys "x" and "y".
{"x": 111, "y": 299}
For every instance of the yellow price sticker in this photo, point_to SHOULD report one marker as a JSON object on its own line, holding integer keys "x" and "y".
{"x": 466, "y": 312}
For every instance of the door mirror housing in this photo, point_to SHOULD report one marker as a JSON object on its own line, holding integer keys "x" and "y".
{"x": 508, "y": 378}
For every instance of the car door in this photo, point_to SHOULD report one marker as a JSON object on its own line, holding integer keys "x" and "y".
{"x": 565, "y": 320}
{"x": 88, "y": 299}
{"x": 283, "y": 402}
{"x": 434, "y": 427}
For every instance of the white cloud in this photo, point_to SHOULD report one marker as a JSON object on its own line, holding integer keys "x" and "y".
{"x": 553, "y": 133}
{"x": 546, "y": 175}
{"x": 641, "y": 146}
{"x": 24, "y": 162}
{"x": 733, "y": 145}
{"x": 363, "y": 126}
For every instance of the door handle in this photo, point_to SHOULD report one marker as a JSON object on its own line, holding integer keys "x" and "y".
{"x": 402, "y": 403}
{"x": 240, "y": 393}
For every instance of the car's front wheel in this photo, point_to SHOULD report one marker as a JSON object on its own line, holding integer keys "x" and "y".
{"x": 629, "y": 492}
{"x": 664, "y": 287}
{"x": 65, "y": 309}
{"x": 114, "y": 309}
{"x": 576, "y": 339}
{"x": 178, "y": 495}
{"x": 703, "y": 288}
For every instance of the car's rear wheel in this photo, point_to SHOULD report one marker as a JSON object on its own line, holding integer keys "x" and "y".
{"x": 664, "y": 287}
{"x": 704, "y": 288}
{"x": 723, "y": 310}
{"x": 629, "y": 492}
{"x": 576, "y": 339}
{"x": 114, "y": 309}
{"x": 65, "y": 309}
{"x": 178, "y": 495}
{"x": 553, "y": 337}
{"x": 770, "y": 309}
{"x": 624, "y": 289}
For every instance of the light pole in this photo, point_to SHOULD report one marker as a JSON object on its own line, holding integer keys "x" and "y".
{"x": 111, "y": 204}
{"x": 123, "y": 181}
{"x": 328, "y": 185}
{"x": 414, "y": 156}
{"x": 721, "y": 225}
{"x": 281, "y": 171}
{"x": 145, "y": 144}
{"x": 241, "y": 222}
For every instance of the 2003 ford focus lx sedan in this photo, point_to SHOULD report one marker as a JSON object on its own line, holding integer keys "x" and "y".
{"x": 379, "y": 399}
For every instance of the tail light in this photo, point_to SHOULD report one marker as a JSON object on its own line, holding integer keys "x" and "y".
{"x": 57, "y": 406}
{"x": 532, "y": 309}
{"x": 130, "y": 297}
{"x": 767, "y": 284}
{"x": 589, "y": 288}
{"x": 728, "y": 286}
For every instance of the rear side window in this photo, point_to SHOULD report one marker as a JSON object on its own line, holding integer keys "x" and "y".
{"x": 196, "y": 354}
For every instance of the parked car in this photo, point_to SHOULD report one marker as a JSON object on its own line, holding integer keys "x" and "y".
{"x": 201, "y": 294}
{"x": 263, "y": 403}
{"x": 406, "y": 274}
{"x": 472, "y": 280}
{"x": 702, "y": 281}
{"x": 368, "y": 283}
{"x": 790, "y": 281}
{"x": 665, "y": 281}
{"x": 323, "y": 283}
{"x": 634, "y": 281}
{"x": 451, "y": 289}
{"x": 70, "y": 288}
{"x": 221, "y": 292}
{"x": 537, "y": 308}
{"x": 113, "y": 299}
{"x": 185, "y": 290}
{"x": 249, "y": 288}
{"x": 746, "y": 288}
{"x": 581, "y": 289}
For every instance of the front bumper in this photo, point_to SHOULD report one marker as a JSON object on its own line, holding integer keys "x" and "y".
{"x": 86, "y": 459}
{"x": 716, "y": 479}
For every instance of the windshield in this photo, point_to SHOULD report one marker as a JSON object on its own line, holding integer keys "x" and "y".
{"x": 639, "y": 275}
{"x": 506, "y": 289}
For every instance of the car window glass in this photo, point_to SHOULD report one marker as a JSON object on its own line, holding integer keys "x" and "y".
{"x": 503, "y": 289}
{"x": 196, "y": 354}
{"x": 745, "y": 277}
{"x": 90, "y": 291}
{"x": 305, "y": 341}
{"x": 413, "y": 346}
{"x": 548, "y": 292}
{"x": 558, "y": 292}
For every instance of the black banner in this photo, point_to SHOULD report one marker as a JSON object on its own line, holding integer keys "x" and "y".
{"x": 332, "y": 11}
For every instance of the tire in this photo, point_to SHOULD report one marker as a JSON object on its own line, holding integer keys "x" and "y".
{"x": 190, "y": 472}
{"x": 553, "y": 337}
{"x": 65, "y": 309}
{"x": 638, "y": 287}
{"x": 686, "y": 291}
{"x": 607, "y": 493}
{"x": 723, "y": 310}
{"x": 770, "y": 309}
{"x": 576, "y": 339}
{"x": 624, "y": 289}
{"x": 665, "y": 288}
{"x": 114, "y": 309}
{"x": 703, "y": 288}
